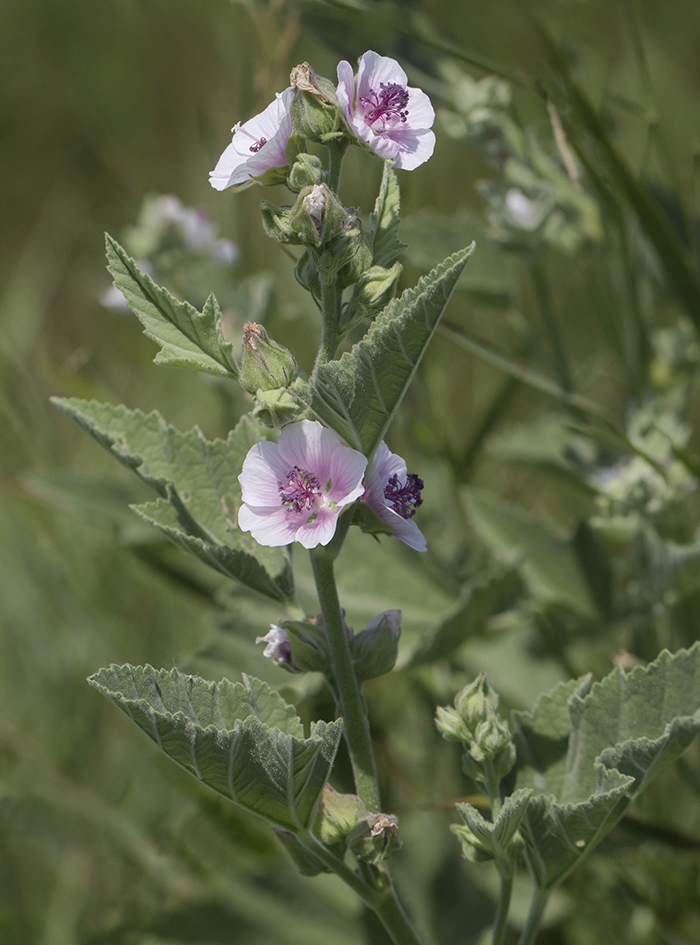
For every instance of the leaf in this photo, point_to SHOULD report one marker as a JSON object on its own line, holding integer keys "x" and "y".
{"x": 358, "y": 395}
{"x": 188, "y": 338}
{"x": 549, "y": 564}
{"x": 383, "y": 230}
{"x": 197, "y": 481}
{"x": 496, "y": 836}
{"x": 477, "y": 604}
{"x": 242, "y": 740}
{"x": 587, "y": 768}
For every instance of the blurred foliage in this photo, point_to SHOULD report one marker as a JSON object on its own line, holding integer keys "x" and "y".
{"x": 552, "y": 422}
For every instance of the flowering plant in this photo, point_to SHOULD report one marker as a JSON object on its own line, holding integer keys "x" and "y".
{"x": 308, "y": 463}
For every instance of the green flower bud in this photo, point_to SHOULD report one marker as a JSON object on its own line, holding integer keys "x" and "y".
{"x": 277, "y": 225}
{"x": 265, "y": 365}
{"x": 306, "y": 171}
{"x": 306, "y": 274}
{"x": 314, "y": 109}
{"x": 490, "y": 737}
{"x": 451, "y": 725}
{"x": 275, "y": 408}
{"x": 477, "y": 702}
{"x": 349, "y": 257}
{"x": 375, "y": 649}
{"x": 337, "y": 816}
{"x": 308, "y": 645}
{"x": 375, "y": 838}
{"x": 375, "y": 289}
{"x": 317, "y": 216}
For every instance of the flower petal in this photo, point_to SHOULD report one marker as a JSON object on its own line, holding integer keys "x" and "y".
{"x": 347, "y": 469}
{"x": 346, "y": 89}
{"x": 270, "y": 528}
{"x": 263, "y": 470}
{"x": 309, "y": 445}
{"x": 375, "y": 69}
{"x": 414, "y": 150}
{"x": 320, "y": 531}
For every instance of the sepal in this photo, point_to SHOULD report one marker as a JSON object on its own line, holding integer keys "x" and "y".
{"x": 265, "y": 365}
{"x": 374, "y": 649}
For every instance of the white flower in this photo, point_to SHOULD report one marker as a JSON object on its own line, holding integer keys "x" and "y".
{"x": 258, "y": 145}
{"x": 278, "y": 646}
{"x": 393, "y": 119}
{"x": 294, "y": 490}
{"x": 394, "y": 495}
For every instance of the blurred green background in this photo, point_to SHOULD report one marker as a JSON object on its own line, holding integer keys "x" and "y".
{"x": 102, "y": 840}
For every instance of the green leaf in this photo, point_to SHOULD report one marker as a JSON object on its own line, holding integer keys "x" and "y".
{"x": 188, "y": 338}
{"x": 495, "y": 837}
{"x": 383, "y": 230}
{"x": 358, "y": 395}
{"x": 475, "y": 607}
{"x": 242, "y": 740}
{"x": 197, "y": 481}
{"x": 548, "y": 564}
{"x": 589, "y": 750}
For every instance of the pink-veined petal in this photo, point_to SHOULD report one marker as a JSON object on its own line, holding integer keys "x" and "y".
{"x": 414, "y": 151}
{"x": 309, "y": 445}
{"x": 347, "y": 470}
{"x": 270, "y": 528}
{"x": 320, "y": 531}
{"x": 421, "y": 113}
{"x": 263, "y": 470}
{"x": 375, "y": 69}
{"x": 346, "y": 89}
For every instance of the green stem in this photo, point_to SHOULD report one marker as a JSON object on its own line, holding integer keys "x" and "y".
{"x": 351, "y": 704}
{"x": 500, "y": 922}
{"x": 382, "y": 901}
{"x": 331, "y": 310}
{"x": 336, "y": 154}
{"x": 534, "y": 919}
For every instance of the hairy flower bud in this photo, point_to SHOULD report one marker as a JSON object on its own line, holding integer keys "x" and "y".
{"x": 306, "y": 171}
{"x": 314, "y": 109}
{"x": 265, "y": 365}
{"x": 276, "y": 408}
{"x": 451, "y": 725}
{"x": 374, "y": 838}
{"x": 375, "y": 649}
{"x": 476, "y": 702}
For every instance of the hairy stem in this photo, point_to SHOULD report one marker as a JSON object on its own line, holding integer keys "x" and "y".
{"x": 350, "y": 701}
{"x": 534, "y": 919}
{"x": 382, "y": 901}
{"x": 336, "y": 152}
{"x": 331, "y": 310}
{"x": 500, "y": 922}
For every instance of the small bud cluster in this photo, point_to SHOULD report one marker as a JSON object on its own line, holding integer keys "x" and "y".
{"x": 489, "y": 752}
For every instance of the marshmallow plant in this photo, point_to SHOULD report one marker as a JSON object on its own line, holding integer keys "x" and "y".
{"x": 309, "y": 463}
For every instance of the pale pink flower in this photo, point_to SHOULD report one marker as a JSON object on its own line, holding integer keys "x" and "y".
{"x": 278, "y": 646}
{"x": 294, "y": 490}
{"x": 395, "y": 495}
{"x": 258, "y": 145}
{"x": 393, "y": 119}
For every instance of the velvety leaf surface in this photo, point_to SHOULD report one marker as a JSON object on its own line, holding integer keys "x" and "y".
{"x": 383, "y": 230}
{"x": 242, "y": 740}
{"x": 188, "y": 338}
{"x": 198, "y": 484}
{"x": 589, "y": 750}
{"x": 358, "y": 395}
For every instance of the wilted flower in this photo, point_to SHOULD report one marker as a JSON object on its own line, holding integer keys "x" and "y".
{"x": 393, "y": 119}
{"x": 258, "y": 145}
{"x": 278, "y": 646}
{"x": 294, "y": 490}
{"x": 395, "y": 495}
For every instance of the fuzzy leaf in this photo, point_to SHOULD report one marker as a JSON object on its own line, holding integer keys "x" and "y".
{"x": 587, "y": 768}
{"x": 242, "y": 740}
{"x": 197, "y": 481}
{"x": 188, "y": 338}
{"x": 358, "y": 395}
{"x": 383, "y": 230}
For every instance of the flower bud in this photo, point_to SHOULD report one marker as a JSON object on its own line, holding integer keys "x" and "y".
{"x": 375, "y": 838}
{"x": 476, "y": 702}
{"x": 337, "y": 816}
{"x": 265, "y": 365}
{"x": 451, "y": 725}
{"x": 375, "y": 649}
{"x": 374, "y": 290}
{"x": 278, "y": 648}
{"x": 314, "y": 109}
{"x": 306, "y": 171}
{"x": 276, "y": 408}
{"x": 308, "y": 646}
{"x": 349, "y": 257}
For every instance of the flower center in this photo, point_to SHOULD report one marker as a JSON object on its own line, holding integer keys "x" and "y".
{"x": 386, "y": 105}
{"x": 404, "y": 500}
{"x": 260, "y": 143}
{"x": 300, "y": 491}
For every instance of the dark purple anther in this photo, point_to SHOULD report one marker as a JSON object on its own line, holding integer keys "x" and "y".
{"x": 300, "y": 491}
{"x": 389, "y": 103}
{"x": 404, "y": 500}
{"x": 258, "y": 144}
